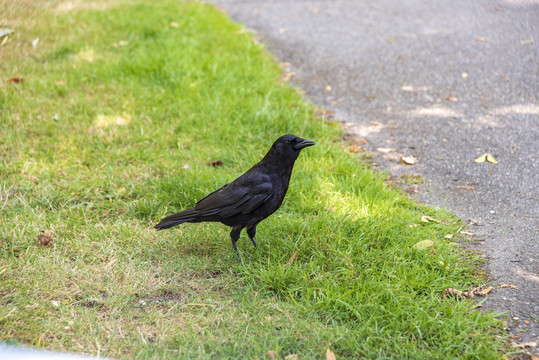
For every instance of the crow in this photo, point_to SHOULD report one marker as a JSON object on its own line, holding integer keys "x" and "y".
{"x": 250, "y": 198}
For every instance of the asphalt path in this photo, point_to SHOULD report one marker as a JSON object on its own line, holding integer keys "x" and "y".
{"x": 444, "y": 82}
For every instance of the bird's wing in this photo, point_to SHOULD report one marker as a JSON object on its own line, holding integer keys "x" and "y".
{"x": 235, "y": 198}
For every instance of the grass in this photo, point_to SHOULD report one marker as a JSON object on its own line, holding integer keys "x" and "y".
{"x": 114, "y": 127}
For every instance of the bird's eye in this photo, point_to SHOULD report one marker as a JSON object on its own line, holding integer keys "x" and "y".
{"x": 287, "y": 142}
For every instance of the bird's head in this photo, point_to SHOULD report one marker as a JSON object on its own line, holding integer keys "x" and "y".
{"x": 287, "y": 148}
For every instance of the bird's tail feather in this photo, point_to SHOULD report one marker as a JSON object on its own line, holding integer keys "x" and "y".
{"x": 181, "y": 217}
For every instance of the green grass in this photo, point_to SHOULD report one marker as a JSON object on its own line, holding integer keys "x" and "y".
{"x": 114, "y": 128}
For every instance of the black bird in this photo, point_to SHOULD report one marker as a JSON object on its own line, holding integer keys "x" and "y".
{"x": 250, "y": 198}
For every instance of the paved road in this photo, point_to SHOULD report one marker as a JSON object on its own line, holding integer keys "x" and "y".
{"x": 444, "y": 81}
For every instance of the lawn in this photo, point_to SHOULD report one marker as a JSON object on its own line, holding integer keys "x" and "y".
{"x": 123, "y": 108}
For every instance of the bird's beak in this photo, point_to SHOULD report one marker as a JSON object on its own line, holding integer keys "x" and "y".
{"x": 303, "y": 144}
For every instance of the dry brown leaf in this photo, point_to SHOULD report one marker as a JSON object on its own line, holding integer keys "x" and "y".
{"x": 509, "y": 286}
{"x": 292, "y": 258}
{"x": 485, "y": 291}
{"x": 456, "y": 293}
{"x": 16, "y": 80}
{"x": 426, "y": 218}
{"x": 476, "y": 291}
{"x": 356, "y": 149}
{"x": 525, "y": 345}
{"x": 330, "y": 355}
{"x": 423, "y": 244}
{"x": 408, "y": 160}
{"x": 385, "y": 150}
{"x": 291, "y": 357}
{"x": 287, "y": 76}
{"x": 45, "y": 238}
{"x": 272, "y": 354}
{"x": 214, "y": 163}
{"x": 527, "y": 322}
{"x": 451, "y": 98}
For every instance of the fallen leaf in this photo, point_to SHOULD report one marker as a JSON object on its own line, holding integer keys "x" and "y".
{"x": 509, "y": 286}
{"x": 356, "y": 149}
{"x": 330, "y": 355}
{"x": 385, "y": 150}
{"x": 525, "y": 345}
{"x": 491, "y": 159}
{"x": 456, "y": 293}
{"x": 527, "y": 322}
{"x": 408, "y": 160}
{"x": 16, "y": 80}
{"x": 526, "y": 42}
{"x": 451, "y": 98}
{"x": 45, "y": 238}
{"x": 292, "y": 258}
{"x": 426, "y": 218}
{"x": 215, "y": 163}
{"x": 272, "y": 354}
{"x": 485, "y": 291}
{"x": 423, "y": 244}
{"x": 481, "y": 159}
{"x": 287, "y": 76}
{"x": 449, "y": 236}
{"x": 291, "y": 357}
{"x": 476, "y": 291}
{"x": 433, "y": 251}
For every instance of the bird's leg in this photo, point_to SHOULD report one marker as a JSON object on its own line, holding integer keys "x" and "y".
{"x": 234, "y": 236}
{"x": 251, "y": 231}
